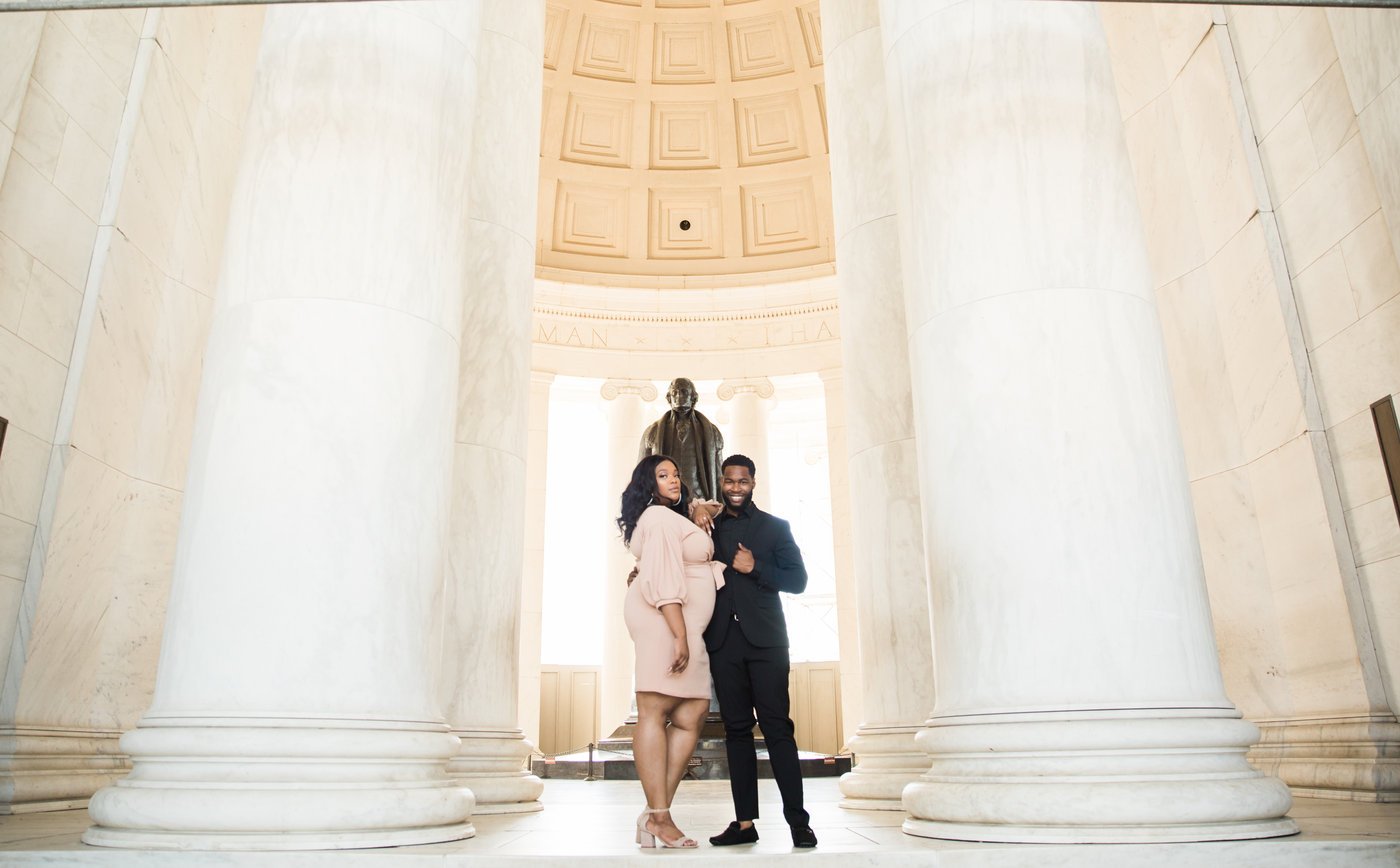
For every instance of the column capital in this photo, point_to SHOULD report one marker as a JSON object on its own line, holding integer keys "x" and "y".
{"x": 542, "y": 378}
{"x": 644, "y": 389}
{"x": 760, "y": 386}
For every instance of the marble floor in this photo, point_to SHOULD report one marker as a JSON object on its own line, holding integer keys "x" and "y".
{"x": 590, "y": 823}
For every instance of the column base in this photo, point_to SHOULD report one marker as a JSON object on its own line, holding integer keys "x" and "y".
{"x": 99, "y": 836}
{"x": 493, "y": 764}
{"x": 1175, "y": 776}
{"x": 56, "y": 768}
{"x": 282, "y": 784}
{"x": 1008, "y": 834}
{"x": 1348, "y": 758}
{"x": 887, "y": 760}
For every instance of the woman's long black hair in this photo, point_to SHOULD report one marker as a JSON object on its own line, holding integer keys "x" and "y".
{"x": 640, "y": 493}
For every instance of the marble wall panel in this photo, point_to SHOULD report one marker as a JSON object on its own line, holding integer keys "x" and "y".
{"x": 1380, "y": 130}
{"x": 15, "y": 267}
{"x": 22, "y": 473}
{"x": 96, "y": 631}
{"x": 1335, "y": 200}
{"x": 1164, "y": 191}
{"x": 1251, "y": 655}
{"x": 108, "y": 37}
{"x": 31, "y": 385}
{"x": 1375, "y": 533}
{"x": 1276, "y": 558}
{"x": 1368, "y": 43}
{"x": 1356, "y": 454}
{"x": 1288, "y": 68}
{"x": 19, "y": 42}
{"x": 1255, "y": 29}
{"x": 94, "y": 617}
{"x": 66, "y": 69}
{"x": 82, "y": 170}
{"x": 1330, "y": 118}
{"x": 39, "y": 134}
{"x": 1287, "y": 154}
{"x": 226, "y": 94}
{"x": 1318, "y": 640}
{"x": 15, "y": 537}
{"x": 1136, "y": 51}
{"x": 1200, "y": 380}
{"x": 157, "y": 171}
{"x": 50, "y": 314}
{"x": 135, "y": 408}
{"x": 1360, "y": 365}
{"x": 1258, "y": 358}
{"x": 1181, "y": 29}
{"x": 1372, "y": 269}
{"x": 1382, "y": 582}
{"x": 40, "y": 219}
{"x": 1223, "y": 192}
{"x": 1326, "y": 304}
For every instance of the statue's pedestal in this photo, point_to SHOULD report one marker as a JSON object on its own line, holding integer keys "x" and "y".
{"x": 612, "y": 758}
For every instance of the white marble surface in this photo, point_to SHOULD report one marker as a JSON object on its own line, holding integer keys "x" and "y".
{"x": 532, "y": 568}
{"x": 588, "y": 823}
{"x": 1243, "y": 343}
{"x": 1061, "y": 544}
{"x": 626, "y": 422}
{"x": 297, "y": 547}
{"x": 886, "y": 518}
{"x": 86, "y": 659}
{"x": 488, "y": 518}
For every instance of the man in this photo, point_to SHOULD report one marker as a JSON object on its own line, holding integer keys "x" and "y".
{"x": 748, "y": 644}
{"x": 690, "y": 439}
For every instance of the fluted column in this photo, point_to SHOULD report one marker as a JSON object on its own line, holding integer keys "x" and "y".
{"x": 626, "y": 422}
{"x": 749, "y": 401}
{"x": 1079, "y": 692}
{"x": 886, "y": 521}
{"x": 843, "y": 558}
{"x": 532, "y": 581}
{"x": 486, "y": 549}
{"x": 296, "y": 703}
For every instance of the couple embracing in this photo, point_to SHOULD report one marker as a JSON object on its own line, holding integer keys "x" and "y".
{"x": 705, "y": 603}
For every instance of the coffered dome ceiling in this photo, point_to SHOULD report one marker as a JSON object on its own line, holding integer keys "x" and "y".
{"x": 683, "y": 143}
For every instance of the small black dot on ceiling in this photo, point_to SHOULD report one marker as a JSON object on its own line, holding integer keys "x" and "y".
{"x": 685, "y": 225}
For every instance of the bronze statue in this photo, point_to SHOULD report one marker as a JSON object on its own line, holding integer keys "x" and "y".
{"x": 691, "y": 440}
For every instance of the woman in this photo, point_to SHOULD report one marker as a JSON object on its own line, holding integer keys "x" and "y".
{"x": 666, "y": 610}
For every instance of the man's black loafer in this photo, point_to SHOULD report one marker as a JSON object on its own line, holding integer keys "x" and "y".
{"x": 802, "y": 836}
{"x": 737, "y": 834}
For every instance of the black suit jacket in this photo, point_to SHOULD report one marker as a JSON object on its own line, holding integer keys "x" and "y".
{"x": 754, "y": 596}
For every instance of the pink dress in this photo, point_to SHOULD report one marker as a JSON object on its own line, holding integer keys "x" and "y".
{"x": 673, "y": 566}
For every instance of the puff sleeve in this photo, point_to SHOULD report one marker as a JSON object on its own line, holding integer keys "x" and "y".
{"x": 660, "y": 567}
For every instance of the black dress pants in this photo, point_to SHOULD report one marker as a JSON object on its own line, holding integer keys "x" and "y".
{"x": 753, "y": 681}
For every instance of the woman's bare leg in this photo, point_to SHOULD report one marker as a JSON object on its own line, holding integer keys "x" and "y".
{"x": 649, "y": 746}
{"x": 686, "y": 719}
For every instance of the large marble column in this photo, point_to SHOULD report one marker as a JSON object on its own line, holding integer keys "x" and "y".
{"x": 486, "y": 548}
{"x": 749, "y": 401}
{"x": 1079, "y": 692}
{"x": 886, "y": 520}
{"x": 626, "y": 421}
{"x": 296, "y": 703}
{"x": 843, "y": 559}
{"x": 532, "y": 574}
